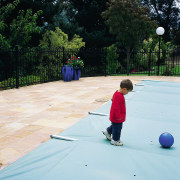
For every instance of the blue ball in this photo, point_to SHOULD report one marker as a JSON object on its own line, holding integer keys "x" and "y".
{"x": 166, "y": 140}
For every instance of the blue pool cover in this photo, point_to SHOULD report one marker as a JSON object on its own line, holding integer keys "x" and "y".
{"x": 153, "y": 108}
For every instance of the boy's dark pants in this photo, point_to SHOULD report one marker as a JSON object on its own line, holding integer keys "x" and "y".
{"x": 115, "y": 130}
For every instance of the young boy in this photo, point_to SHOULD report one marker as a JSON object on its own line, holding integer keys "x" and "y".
{"x": 118, "y": 113}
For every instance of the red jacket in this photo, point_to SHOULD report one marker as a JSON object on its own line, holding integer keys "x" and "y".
{"x": 118, "y": 108}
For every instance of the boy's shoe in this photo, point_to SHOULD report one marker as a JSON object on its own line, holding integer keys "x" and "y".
{"x": 108, "y": 136}
{"x": 116, "y": 143}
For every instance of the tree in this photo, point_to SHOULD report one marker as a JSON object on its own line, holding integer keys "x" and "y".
{"x": 65, "y": 19}
{"x": 17, "y": 31}
{"x": 49, "y": 8}
{"x": 87, "y": 15}
{"x": 166, "y": 14}
{"x": 22, "y": 28}
{"x": 59, "y": 39}
{"x": 177, "y": 37}
{"x": 5, "y": 11}
{"x": 129, "y": 22}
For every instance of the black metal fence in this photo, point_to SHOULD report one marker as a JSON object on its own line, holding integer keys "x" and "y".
{"x": 30, "y": 66}
{"x": 164, "y": 63}
{"x": 33, "y": 66}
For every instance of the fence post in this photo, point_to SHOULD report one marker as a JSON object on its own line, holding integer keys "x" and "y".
{"x": 173, "y": 59}
{"x": 63, "y": 57}
{"x": 105, "y": 66}
{"x": 159, "y": 56}
{"x": 149, "y": 63}
{"x": 17, "y": 66}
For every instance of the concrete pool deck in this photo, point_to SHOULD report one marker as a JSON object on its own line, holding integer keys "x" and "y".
{"x": 28, "y": 115}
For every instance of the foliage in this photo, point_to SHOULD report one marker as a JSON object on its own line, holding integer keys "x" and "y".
{"x": 17, "y": 30}
{"x": 87, "y": 15}
{"x": 47, "y": 63}
{"x": 23, "y": 81}
{"x": 3, "y": 42}
{"x": 75, "y": 62}
{"x": 168, "y": 70}
{"x": 5, "y": 11}
{"x": 150, "y": 52}
{"x": 112, "y": 63}
{"x": 59, "y": 39}
{"x": 177, "y": 37}
{"x": 65, "y": 19}
{"x": 152, "y": 44}
{"x": 23, "y": 26}
{"x": 92, "y": 71}
{"x": 166, "y": 14}
{"x": 128, "y": 21}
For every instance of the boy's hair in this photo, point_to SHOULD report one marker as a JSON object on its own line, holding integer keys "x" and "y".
{"x": 126, "y": 83}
